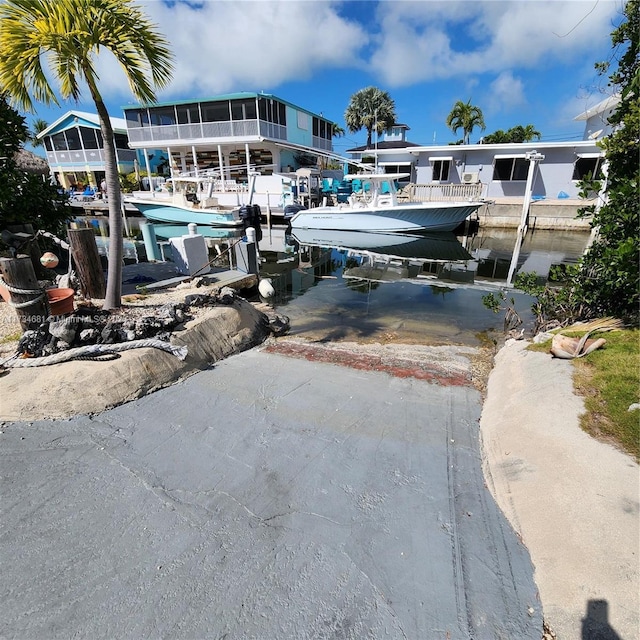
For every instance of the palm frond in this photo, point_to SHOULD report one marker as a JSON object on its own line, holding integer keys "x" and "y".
{"x": 599, "y": 324}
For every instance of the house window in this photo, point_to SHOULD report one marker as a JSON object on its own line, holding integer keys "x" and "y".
{"x": 510, "y": 169}
{"x": 588, "y": 166}
{"x": 215, "y": 111}
{"x": 121, "y": 140}
{"x": 89, "y": 139}
{"x": 162, "y": 116}
{"x": 59, "y": 141}
{"x": 441, "y": 170}
{"x": 136, "y": 117}
{"x": 272, "y": 111}
{"x": 188, "y": 114}
{"x": 243, "y": 109}
{"x": 399, "y": 168}
{"x": 73, "y": 139}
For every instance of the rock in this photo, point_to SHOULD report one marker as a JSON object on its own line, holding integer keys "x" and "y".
{"x": 542, "y": 337}
{"x": 89, "y": 336}
{"x": 279, "y": 325}
{"x": 226, "y": 295}
{"x": 198, "y": 300}
{"x": 64, "y": 329}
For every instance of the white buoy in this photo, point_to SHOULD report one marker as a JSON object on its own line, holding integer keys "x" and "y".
{"x": 265, "y": 287}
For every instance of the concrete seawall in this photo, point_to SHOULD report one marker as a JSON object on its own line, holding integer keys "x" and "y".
{"x": 555, "y": 214}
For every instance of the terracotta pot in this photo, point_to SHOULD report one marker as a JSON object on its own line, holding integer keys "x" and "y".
{"x": 60, "y": 301}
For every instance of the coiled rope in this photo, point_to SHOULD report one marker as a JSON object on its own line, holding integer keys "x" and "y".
{"x": 22, "y": 292}
{"x": 94, "y": 350}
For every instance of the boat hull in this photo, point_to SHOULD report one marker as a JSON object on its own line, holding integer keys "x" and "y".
{"x": 167, "y": 212}
{"x": 431, "y": 216}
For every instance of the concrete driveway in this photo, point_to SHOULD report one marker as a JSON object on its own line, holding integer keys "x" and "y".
{"x": 269, "y": 497}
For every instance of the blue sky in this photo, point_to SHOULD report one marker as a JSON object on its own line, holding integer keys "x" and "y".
{"x": 522, "y": 62}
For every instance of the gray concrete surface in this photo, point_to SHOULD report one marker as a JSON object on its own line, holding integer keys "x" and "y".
{"x": 574, "y": 500}
{"x": 268, "y": 497}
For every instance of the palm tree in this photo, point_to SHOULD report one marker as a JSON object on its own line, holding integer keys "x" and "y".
{"x": 370, "y": 108}
{"x": 38, "y": 126}
{"x": 69, "y": 34}
{"x": 467, "y": 117}
{"x": 336, "y": 130}
{"x": 526, "y": 133}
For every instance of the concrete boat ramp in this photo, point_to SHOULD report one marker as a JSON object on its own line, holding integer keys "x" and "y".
{"x": 267, "y": 497}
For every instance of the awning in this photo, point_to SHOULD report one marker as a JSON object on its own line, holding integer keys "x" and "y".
{"x": 590, "y": 155}
{"x": 394, "y": 164}
{"x": 434, "y": 158}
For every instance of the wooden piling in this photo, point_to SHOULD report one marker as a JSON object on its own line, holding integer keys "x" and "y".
{"x": 31, "y": 307}
{"x": 84, "y": 251}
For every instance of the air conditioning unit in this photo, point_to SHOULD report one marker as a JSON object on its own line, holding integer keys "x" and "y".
{"x": 470, "y": 178}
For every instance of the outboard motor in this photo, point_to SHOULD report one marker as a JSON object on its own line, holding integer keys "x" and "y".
{"x": 250, "y": 216}
{"x": 257, "y": 220}
{"x": 291, "y": 209}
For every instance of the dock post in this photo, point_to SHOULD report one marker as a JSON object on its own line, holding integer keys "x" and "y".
{"x": 84, "y": 252}
{"x": 30, "y": 305}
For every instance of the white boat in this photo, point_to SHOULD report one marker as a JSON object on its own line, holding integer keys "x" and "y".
{"x": 377, "y": 209}
{"x": 184, "y": 200}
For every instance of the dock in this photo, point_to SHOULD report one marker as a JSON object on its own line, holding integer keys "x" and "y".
{"x": 156, "y": 276}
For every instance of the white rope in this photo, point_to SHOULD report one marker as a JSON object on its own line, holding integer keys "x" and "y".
{"x": 22, "y": 292}
{"x": 28, "y": 303}
{"x": 12, "y": 289}
{"x": 95, "y": 350}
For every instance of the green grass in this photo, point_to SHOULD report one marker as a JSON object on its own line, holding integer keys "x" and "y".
{"x": 608, "y": 378}
{"x": 13, "y": 337}
{"x": 609, "y": 381}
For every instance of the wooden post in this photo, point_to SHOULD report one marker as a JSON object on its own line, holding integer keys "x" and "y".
{"x": 18, "y": 273}
{"x": 87, "y": 260}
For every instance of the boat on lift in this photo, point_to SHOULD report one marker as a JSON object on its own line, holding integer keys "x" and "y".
{"x": 185, "y": 200}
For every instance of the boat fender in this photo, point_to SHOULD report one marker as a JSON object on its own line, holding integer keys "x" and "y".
{"x": 265, "y": 287}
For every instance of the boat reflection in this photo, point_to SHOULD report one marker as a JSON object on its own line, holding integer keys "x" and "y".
{"x": 298, "y": 259}
{"x": 167, "y": 231}
{"x": 383, "y": 257}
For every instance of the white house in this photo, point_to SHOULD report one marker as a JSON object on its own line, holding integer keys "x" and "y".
{"x": 499, "y": 172}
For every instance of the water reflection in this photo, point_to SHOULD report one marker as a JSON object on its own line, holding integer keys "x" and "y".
{"x": 388, "y": 287}
{"x": 361, "y": 286}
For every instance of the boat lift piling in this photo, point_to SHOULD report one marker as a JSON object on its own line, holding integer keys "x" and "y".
{"x": 534, "y": 158}
{"x": 150, "y": 242}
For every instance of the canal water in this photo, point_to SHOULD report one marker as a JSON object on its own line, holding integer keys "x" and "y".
{"x": 337, "y": 286}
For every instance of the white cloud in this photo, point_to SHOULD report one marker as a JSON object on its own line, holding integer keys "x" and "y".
{"x": 426, "y": 40}
{"x": 506, "y": 93}
{"x": 225, "y": 45}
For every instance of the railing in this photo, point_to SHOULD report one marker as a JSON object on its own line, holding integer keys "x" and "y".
{"x": 225, "y": 129}
{"x": 87, "y": 156}
{"x": 440, "y": 192}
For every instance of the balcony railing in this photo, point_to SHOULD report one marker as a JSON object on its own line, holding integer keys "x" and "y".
{"x": 208, "y": 130}
{"x": 86, "y": 156}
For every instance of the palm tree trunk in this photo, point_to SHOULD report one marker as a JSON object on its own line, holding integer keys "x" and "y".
{"x": 113, "y": 298}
